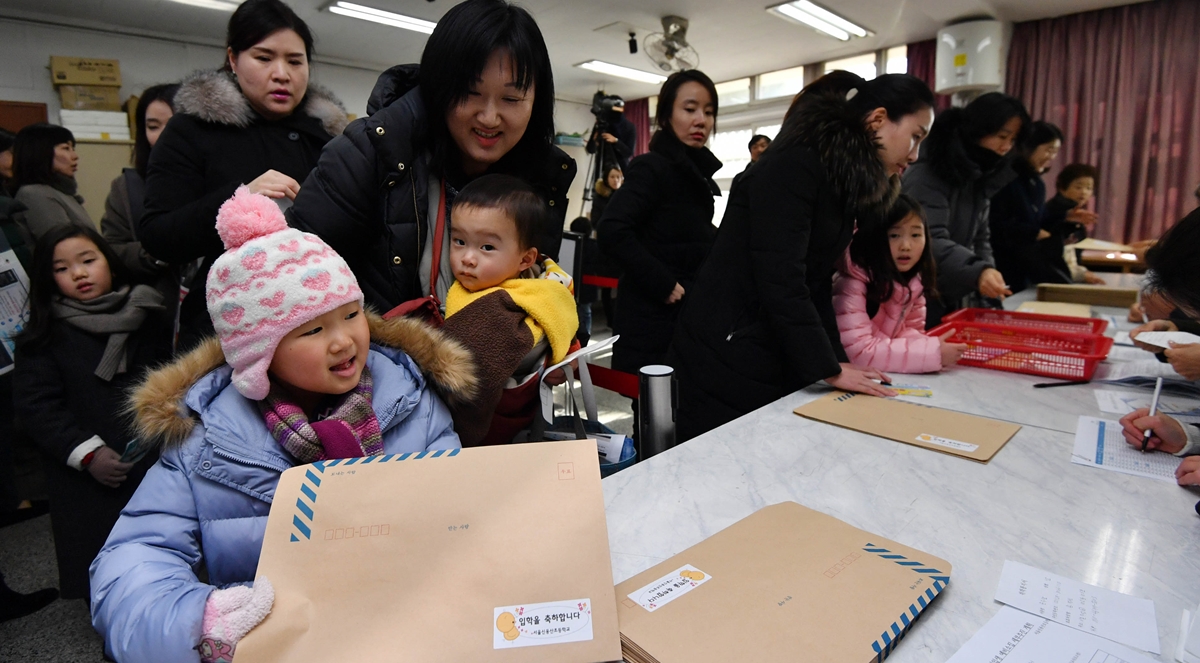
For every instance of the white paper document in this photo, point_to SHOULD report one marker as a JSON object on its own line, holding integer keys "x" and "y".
{"x": 1163, "y": 338}
{"x": 1093, "y": 610}
{"x": 1013, "y": 636}
{"x": 1122, "y": 338}
{"x": 1099, "y": 443}
{"x": 1124, "y": 402}
{"x": 1146, "y": 368}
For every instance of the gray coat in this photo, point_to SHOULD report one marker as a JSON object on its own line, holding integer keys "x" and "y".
{"x": 49, "y": 207}
{"x": 958, "y": 223}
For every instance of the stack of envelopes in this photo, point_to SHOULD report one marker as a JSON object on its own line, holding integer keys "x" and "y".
{"x": 784, "y": 584}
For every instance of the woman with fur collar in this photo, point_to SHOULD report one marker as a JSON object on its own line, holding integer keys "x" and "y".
{"x": 256, "y": 122}
{"x": 481, "y": 101}
{"x": 963, "y": 165}
{"x": 760, "y": 322}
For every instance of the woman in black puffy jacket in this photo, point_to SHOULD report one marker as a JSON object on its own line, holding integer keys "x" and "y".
{"x": 658, "y": 226}
{"x": 256, "y": 122}
{"x": 482, "y": 101}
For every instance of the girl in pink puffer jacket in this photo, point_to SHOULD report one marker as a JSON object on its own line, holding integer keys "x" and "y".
{"x": 878, "y": 296}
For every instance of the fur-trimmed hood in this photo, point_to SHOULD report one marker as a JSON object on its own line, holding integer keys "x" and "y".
{"x": 157, "y": 403}
{"x": 847, "y": 149}
{"x": 214, "y": 96}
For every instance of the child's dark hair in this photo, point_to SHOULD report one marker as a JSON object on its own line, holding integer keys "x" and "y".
{"x": 141, "y": 144}
{"x": 42, "y": 287}
{"x": 666, "y": 103}
{"x": 33, "y": 153}
{"x": 255, "y": 20}
{"x": 1074, "y": 171}
{"x": 582, "y": 225}
{"x": 454, "y": 58}
{"x": 872, "y": 251}
{"x": 512, "y": 196}
{"x": 1171, "y": 264}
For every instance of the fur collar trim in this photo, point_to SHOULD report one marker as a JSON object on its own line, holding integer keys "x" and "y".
{"x": 214, "y": 96}
{"x": 848, "y": 151}
{"x": 157, "y": 403}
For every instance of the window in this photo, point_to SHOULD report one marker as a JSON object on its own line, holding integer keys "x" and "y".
{"x": 733, "y": 93}
{"x": 863, "y": 65}
{"x": 730, "y": 148}
{"x": 897, "y": 60}
{"x": 770, "y": 131}
{"x": 782, "y": 83}
{"x": 653, "y": 103}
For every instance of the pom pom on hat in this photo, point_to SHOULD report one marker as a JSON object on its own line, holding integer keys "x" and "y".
{"x": 246, "y": 216}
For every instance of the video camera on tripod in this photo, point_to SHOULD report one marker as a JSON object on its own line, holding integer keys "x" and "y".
{"x": 607, "y": 108}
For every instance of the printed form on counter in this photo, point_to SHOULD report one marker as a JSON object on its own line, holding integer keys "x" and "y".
{"x": 1093, "y": 610}
{"x": 1013, "y": 636}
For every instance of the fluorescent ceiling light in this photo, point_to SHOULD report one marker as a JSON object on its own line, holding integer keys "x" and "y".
{"x": 622, "y": 72}
{"x": 820, "y": 19}
{"x": 222, "y": 5}
{"x": 380, "y": 16}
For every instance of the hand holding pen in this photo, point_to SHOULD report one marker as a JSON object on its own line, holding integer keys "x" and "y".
{"x": 1153, "y": 411}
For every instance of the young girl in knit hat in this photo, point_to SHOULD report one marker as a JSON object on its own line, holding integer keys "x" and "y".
{"x": 301, "y": 373}
{"x": 91, "y": 335}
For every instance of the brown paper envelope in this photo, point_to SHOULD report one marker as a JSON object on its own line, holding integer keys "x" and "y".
{"x": 966, "y": 435}
{"x": 407, "y": 558}
{"x": 785, "y": 584}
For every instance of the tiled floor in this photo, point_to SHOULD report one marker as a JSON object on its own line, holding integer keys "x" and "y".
{"x": 62, "y": 632}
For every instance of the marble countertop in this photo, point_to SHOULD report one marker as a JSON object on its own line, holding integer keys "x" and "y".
{"x": 1029, "y": 504}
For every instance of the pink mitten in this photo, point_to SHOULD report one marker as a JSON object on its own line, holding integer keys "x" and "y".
{"x": 229, "y": 615}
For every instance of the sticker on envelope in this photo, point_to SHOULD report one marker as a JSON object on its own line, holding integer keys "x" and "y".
{"x": 669, "y": 587}
{"x": 946, "y": 442}
{"x": 536, "y": 624}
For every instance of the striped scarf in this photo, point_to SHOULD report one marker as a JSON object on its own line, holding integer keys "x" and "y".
{"x": 349, "y": 431}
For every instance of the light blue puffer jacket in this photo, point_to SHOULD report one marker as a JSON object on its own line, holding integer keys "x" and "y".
{"x": 203, "y": 507}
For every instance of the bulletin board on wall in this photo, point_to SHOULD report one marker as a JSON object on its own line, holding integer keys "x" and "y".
{"x": 16, "y": 115}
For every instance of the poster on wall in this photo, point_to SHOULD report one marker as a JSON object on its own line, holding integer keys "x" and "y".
{"x": 14, "y": 304}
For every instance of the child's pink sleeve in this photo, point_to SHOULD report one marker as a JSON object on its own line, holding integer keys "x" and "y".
{"x": 924, "y": 352}
{"x": 867, "y": 345}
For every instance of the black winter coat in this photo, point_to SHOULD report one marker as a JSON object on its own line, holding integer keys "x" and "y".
{"x": 369, "y": 195}
{"x": 956, "y": 191}
{"x": 213, "y": 144}
{"x": 61, "y": 404}
{"x": 1015, "y": 221}
{"x": 759, "y": 323}
{"x": 658, "y": 229}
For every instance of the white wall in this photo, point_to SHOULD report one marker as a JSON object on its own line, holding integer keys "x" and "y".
{"x": 25, "y": 50}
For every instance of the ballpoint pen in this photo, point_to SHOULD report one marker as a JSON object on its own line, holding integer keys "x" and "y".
{"x": 1153, "y": 408}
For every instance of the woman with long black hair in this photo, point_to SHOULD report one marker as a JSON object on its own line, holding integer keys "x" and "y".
{"x": 963, "y": 165}
{"x": 658, "y": 227}
{"x": 760, "y": 322}
{"x": 481, "y": 101}
{"x": 257, "y": 121}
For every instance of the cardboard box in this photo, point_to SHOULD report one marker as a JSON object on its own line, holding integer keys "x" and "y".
{"x": 1095, "y": 295}
{"x": 84, "y": 71}
{"x": 90, "y": 97}
{"x": 1056, "y": 308}
{"x": 784, "y": 584}
{"x": 489, "y": 554}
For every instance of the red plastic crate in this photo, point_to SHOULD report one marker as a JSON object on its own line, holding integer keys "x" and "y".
{"x": 1035, "y": 352}
{"x": 1039, "y": 321}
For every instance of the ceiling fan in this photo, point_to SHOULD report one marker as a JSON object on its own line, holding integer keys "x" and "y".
{"x": 669, "y": 49}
